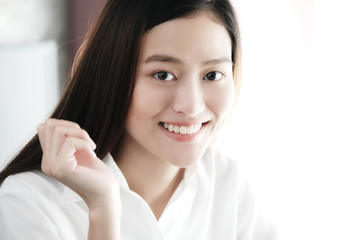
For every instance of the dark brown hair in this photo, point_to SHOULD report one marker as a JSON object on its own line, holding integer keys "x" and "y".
{"x": 100, "y": 86}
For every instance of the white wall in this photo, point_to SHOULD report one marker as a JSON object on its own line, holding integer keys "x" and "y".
{"x": 31, "y": 21}
{"x": 28, "y": 92}
{"x": 32, "y": 66}
{"x": 296, "y": 128}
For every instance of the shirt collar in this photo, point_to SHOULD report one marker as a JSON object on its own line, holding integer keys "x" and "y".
{"x": 203, "y": 174}
{"x": 197, "y": 176}
{"x": 194, "y": 172}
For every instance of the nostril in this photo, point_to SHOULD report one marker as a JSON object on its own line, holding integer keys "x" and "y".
{"x": 189, "y": 108}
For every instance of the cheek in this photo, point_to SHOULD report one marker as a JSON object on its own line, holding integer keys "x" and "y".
{"x": 221, "y": 98}
{"x": 147, "y": 102}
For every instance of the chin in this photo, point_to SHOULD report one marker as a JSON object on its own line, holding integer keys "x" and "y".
{"x": 186, "y": 158}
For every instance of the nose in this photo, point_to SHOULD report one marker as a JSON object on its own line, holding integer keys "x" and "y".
{"x": 189, "y": 98}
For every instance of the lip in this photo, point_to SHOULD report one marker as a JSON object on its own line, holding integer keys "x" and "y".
{"x": 186, "y": 124}
{"x": 182, "y": 137}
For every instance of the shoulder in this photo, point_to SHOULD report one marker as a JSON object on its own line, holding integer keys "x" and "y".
{"x": 31, "y": 200}
{"x": 22, "y": 180}
{"x": 30, "y": 183}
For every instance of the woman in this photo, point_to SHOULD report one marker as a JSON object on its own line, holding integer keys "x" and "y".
{"x": 131, "y": 158}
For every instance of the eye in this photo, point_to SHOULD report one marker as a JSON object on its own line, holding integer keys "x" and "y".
{"x": 164, "y": 76}
{"x": 213, "y": 76}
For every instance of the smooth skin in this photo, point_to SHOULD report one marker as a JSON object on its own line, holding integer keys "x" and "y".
{"x": 184, "y": 77}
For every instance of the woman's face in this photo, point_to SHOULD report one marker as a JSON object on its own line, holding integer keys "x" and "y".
{"x": 183, "y": 92}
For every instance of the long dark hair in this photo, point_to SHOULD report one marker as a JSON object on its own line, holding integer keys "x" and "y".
{"x": 101, "y": 83}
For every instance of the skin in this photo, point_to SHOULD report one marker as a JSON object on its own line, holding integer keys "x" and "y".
{"x": 197, "y": 88}
{"x": 188, "y": 49}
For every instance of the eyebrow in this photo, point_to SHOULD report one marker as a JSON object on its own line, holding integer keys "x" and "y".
{"x": 170, "y": 59}
{"x": 162, "y": 58}
{"x": 218, "y": 61}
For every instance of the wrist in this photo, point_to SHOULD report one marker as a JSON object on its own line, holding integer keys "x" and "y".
{"x": 106, "y": 197}
{"x": 104, "y": 219}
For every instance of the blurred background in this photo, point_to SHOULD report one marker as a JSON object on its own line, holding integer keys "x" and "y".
{"x": 38, "y": 42}
{"x": 296, "y": 126}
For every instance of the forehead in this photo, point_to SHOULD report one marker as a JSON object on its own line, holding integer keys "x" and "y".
{"x": 198, "y": 37}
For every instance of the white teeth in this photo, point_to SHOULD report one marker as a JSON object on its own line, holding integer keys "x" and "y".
{"x": 183, "y": 129}
{"x": 176, "y": 129}
{"x": 190, "y": 129}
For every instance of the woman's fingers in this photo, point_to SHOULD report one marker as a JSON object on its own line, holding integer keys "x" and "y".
{"x": 64, "y": 145}
{"x": 48, "y": 126}
{"x": 52, "y": 122}
{"x": 60, "y": 133}
{"x": 72, "y": 152}
{"x": 53, "y": 133}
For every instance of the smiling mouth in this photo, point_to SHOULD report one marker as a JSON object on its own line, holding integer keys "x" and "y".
{"x": 184, "y": 130}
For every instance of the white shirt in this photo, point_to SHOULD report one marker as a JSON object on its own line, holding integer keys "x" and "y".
{"x": 212, "y": 202}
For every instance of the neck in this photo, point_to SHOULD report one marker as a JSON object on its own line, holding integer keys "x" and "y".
{"x": 153, "y": 179}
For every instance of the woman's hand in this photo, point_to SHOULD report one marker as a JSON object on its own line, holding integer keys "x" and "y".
{"x": 68, "y": 155}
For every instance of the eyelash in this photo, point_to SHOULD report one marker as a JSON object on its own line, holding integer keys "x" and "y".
{"x": 156, "y": 75}
{"x": 217, "y": 74}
